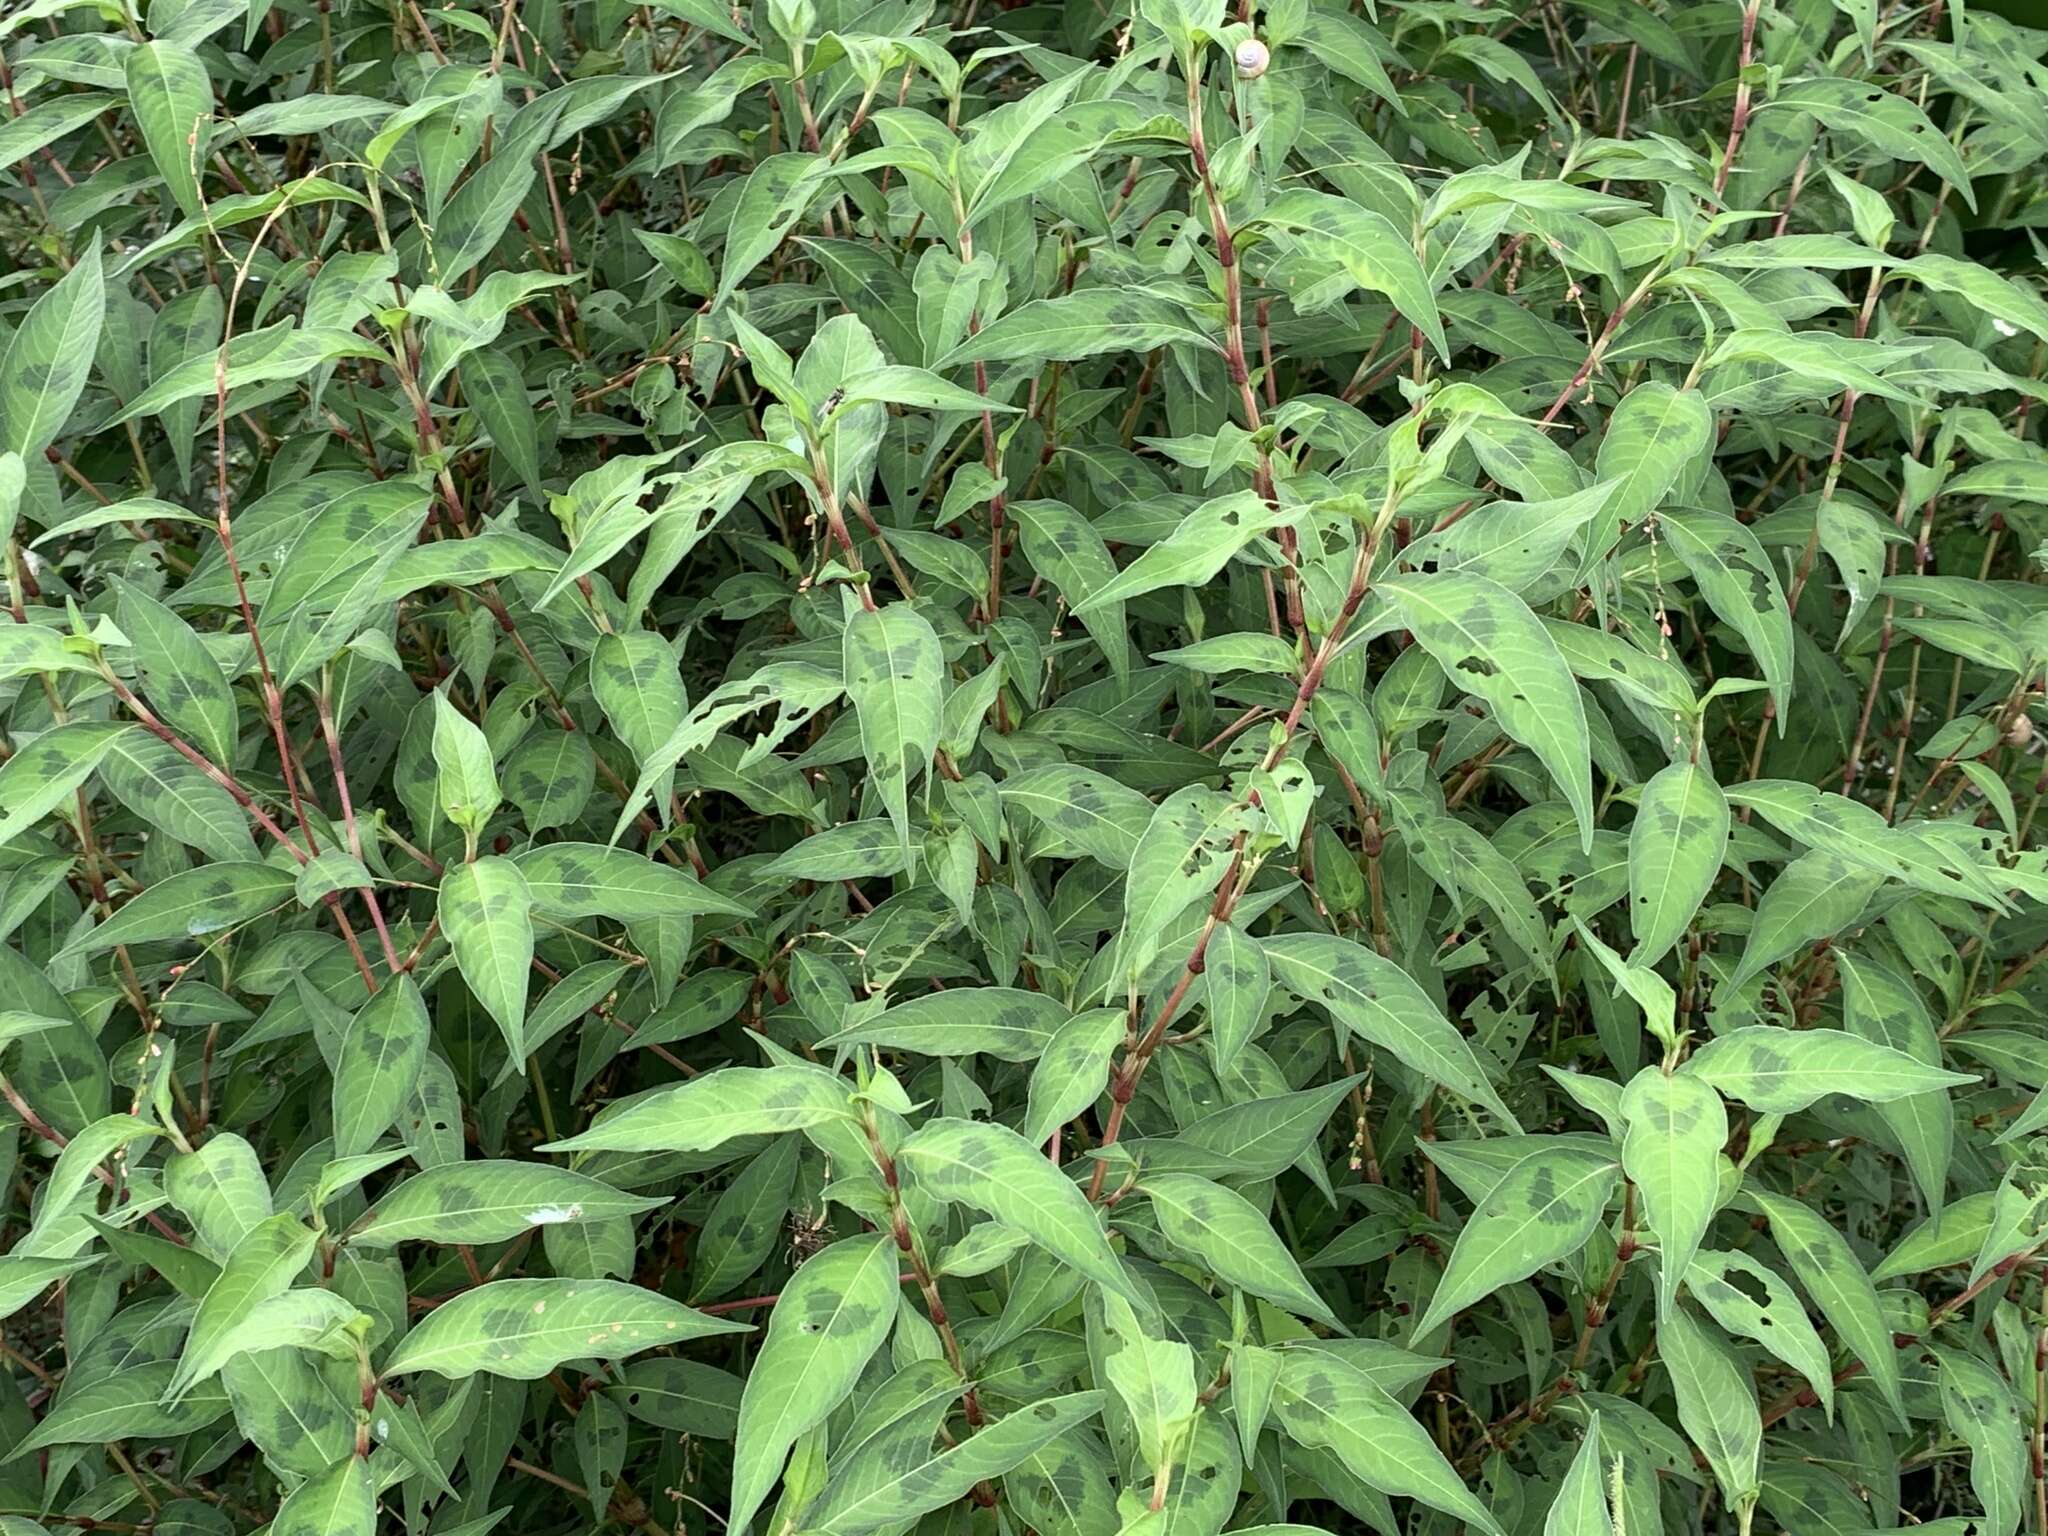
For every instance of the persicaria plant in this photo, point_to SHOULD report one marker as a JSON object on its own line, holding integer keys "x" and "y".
{"x": 1083, "y": 768}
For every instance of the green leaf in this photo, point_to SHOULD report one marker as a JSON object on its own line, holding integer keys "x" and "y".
{"x": 486, "y": 911}
{"x": 1187, "y": 850}
{"x": 1881, "y": 1006}
{"x": 306, "y": 1319}
{"x": 466, "y": 778}
{"x": 263, "y": 1265}
{"x": 525, "y": 1328}
{"x": 1782, "y": 1071}
{"x": 951, "y": 1474}
{"x": 1827, "y": 1267}
{"x": 1071, "y": 1070}
{"x": 1716, "y": 1402}
{"x": 1580, "y": 1508}
{"x": 827, "y": 1323}
{"x": 1380, "y": 1003}
{"x": 378, "y": 1065}
{"x": 1154, "y": 1379}
{"x": 1232, "y": 1241}
{"x": 1000, "y": 1174}
{"x": 23, "y": 1278}
{"x": 221, "y": 1189}
{"x": 1882, "y": 121}
{"x": 1197, "y": 549}
{"x": 1653, "y": 439}
{"x": 1366, "y": 246}
{"x": 893, "y": 667}
{"x": 1545, "y": 1206}
{"x": 1675, "y": 847}
{"x": 1089, "y": 811}
{"x": 1323, "y": 1402}
{"x": 1491, "y": 645}
{"x": 172, "y": 98}
{"x": 489, "y": 1201}
{"x": 1003, "y": 1022}
{"x": 342, "y": 1501}
{"x": 179, "y": 676}
{"x": 1817, "y": 894}
{"x": 190, "y": 905}
{"x": 712, "y": 1109}
{"x": 49, "y": 357}
{"x": 1736, "y": 579}
{"x": 124, "y": 1405}
{"x": 1672, "y": 1153}
{"x": 1980, "y": 1409}
{"x": 572, "y": 880}
{"x": 1778, "y": 1321}
{"x": 1079, "y": 325}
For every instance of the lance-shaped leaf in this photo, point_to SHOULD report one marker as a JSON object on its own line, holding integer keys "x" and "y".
{"x": 1675, "y": 848}
{"x": 172, "y": 97}
{"x": 1545, "y": 1206}
{"x": 890, "y": 1495}
{"x": 48, "y": 359}
{"x": 572, "y": 880}
{"x": 1064, "y": 545}
{"x": 1089, "y": 811}
{"x": 1777, "y": 1320}
{"x": 1736, "y": 578}
{"x": 1880, "y": 1005}
{"x": 1072, "y": 1070}
{"x": 489, "y": 1201}
{"x": 525, "y": 1328}
{"x": 1824, "y": 1263}
{"x": 342, "y": 1501}
{"x": 179, "y": 675}
{"x": 1366, "y": 245}
{"x": 894, "y": 674}
{"x": 830, "y": 1319}
{"x": 1884, "y": 121}
{"x": 89, "y": 1146}
{"x": 1225, "y": 1232}
{"x": 465, "y": 778}
{"x": 1324, "y": 1403}
{"x": 264, "y": 1264}
{"x": 1580, "y": 1508}
{"x": 1191, "y": 555}
{"x": 999, "y": 1173}
{"x": 1380, "y": 1003}
{"x": 127, "y": 1404}
{"x": 1716, "y": 1402}
{"x": 378, "y": 1065}
{"x": 23, "y": 1278}
{"x": 1082, "y": 324}
{"x": 1491, "y": 645}
{"x": 1185, "y": 853}
{"x": 1672, "y": 1153}
{"x": 710, "y": 1110}
{"x": 1982, "y": 1412}
{"x": 192, "y": 904}
{"x": 1653, "y": 439}
{"x": 1782, "y": 1071}
{"x": 487, "y": 913}
{"x": 1237, "y": 977}
{"x": 1005, "y": 1022}
{"x": 1153, "y": 1378}
{"x": 1817, "y": 894}
{"x": 304, "y": 1318}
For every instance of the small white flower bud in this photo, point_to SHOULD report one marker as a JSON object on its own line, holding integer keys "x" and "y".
{"x": 1252, "y": 59}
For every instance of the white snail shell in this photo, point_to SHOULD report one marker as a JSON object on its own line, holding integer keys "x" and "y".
{"x": 1252, "y": 59}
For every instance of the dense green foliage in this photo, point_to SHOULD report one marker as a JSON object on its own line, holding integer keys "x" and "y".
{"x": 835, "y": 769}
